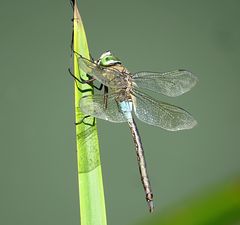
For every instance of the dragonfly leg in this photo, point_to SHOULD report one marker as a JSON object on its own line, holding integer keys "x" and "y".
{"x": 98, "y": 88}
{"x": 105, "y": 97}
{"x": 92, "y": 59}
{"x": 83, "y": 90}
{"x": 90, "y": 78}
{"x": 76, "y": 53}
{"x": 86, "y": 123}
{"x": 79, "y": 55}
{"x": 76, "y": 79}
{"x": 82, "y": 81}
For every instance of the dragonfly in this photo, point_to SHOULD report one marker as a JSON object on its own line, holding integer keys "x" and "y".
{"x": 123, "y": 97}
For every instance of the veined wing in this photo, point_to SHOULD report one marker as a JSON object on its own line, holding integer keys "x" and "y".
{"x": 161, "y": 114}
{"x": 107, "y": 76}
{"x": 173, "y": 83}
{"x": 94, "y": 106}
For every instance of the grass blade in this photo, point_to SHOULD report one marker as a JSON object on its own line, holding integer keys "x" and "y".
{"x": 92, "y": 204}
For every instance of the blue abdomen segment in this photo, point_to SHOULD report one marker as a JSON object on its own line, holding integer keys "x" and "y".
{"x": 126, "y": 109}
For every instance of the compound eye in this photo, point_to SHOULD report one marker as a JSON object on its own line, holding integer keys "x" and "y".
{"x": 107, "y": 58}
{"x": 106, "y": 61}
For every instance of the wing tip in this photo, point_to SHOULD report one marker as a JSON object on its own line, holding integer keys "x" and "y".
{"x": 187, "y": 126}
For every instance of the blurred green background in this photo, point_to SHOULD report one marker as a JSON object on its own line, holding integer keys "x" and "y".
{"x": 38, "y": 167}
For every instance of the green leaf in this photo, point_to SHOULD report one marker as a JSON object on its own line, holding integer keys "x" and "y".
{"x": 92, "y": 204}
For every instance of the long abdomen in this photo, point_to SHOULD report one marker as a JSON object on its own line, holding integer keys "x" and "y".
{"x": 126, "y": 108}
{"x": 142, "y": 163}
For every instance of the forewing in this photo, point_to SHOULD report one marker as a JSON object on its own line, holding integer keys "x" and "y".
{"x": 173, "y": 83}
{"x": 107, "y": 76}
{"x": 161, "y": 114}
{"x": 95, "y": 106}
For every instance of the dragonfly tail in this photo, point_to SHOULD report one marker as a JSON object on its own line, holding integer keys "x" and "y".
{"x": 141, "y": 163}
{"x": 150, "y": 205}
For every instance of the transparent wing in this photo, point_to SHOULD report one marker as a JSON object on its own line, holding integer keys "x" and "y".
{"x": 161, "y": 114}
{"x": 95, "y": 106}
{"x": 173, "y": 83}
{"x": 107, "y": 76}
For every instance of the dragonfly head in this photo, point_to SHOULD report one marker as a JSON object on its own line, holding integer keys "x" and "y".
{"x": 107, "y": 59}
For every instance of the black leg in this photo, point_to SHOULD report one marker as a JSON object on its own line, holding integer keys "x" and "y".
{"x": 92, "y": 59}
{"x": 105, "y": 97}
{"x": 90, "y": 78}
{"x": 85, "y": 90}
{"x": 79, "y": 55}
{"x": 99, "y": 88}
{"x": 85, "y": 117}
{"x": 89, "y": 82}
{"x": 80, "y": 81}
{"x": 76, "y": 79}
